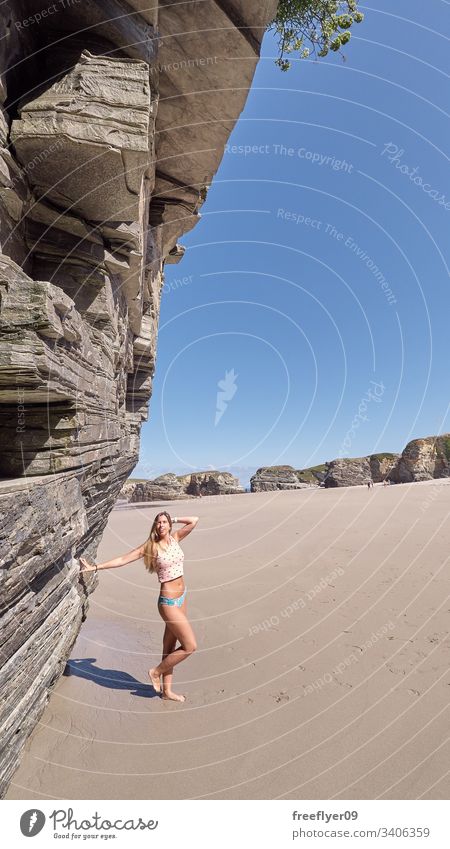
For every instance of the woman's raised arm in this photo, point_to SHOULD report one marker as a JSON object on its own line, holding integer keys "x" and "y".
{"x": 189, "y": 523}
{"x": 123, "y": 560}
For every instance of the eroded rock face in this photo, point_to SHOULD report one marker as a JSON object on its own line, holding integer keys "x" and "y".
{"x": 356, "y": 471}
{"x": 43, "y": 603}
{"x": 109, "y": 138}
{"x": 425, "y": 459}
{"x": 97, "y": 120}
{"x": 165, "y": 487}
{"x": 170, "y": 486}
{"x": 422, "y": 459}
{"x": 384, "y": 467}
{"x": 348, "y": 472}
{"x": 211, "y": 483}
{"x": 270, "y": 478}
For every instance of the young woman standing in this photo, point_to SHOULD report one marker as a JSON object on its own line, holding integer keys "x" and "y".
{"x": 163, "y": 554}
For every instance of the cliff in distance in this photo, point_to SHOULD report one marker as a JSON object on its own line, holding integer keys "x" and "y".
{"x": 113, "y": 121}
{"x": 171, "y": 487}
{"x": 354, "y": 471}
{"x": 425, "y": 459}
{"x": 422, "y": 459}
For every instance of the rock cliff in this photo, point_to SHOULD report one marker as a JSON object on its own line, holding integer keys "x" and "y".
{"x": 352, "y": 471}
{"x": 211, "y": 483}
{"x": 422, "y": 459}
{"x": 425, "y": 459}
{"x": 165, "y": 487}
{"x": 170, "y": 486}
{"x": 113, "y": 120}
{"x": 269, "y": 478}
{"x": 384, "y": 467}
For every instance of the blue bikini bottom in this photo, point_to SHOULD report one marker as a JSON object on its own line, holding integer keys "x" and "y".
{"x": 172, "y": 601}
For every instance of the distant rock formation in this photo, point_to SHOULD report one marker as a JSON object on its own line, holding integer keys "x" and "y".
{"x": 384, "y": 467}
{"x": 211, "y": 483}
{"x": 425, "y": 459}
{"x": 165, "y": 487}
{"x": 113, "y": 121}
{"x": 128, "y": 489}
{"x": 421, "y": 460}
{"x": 270, "y": 478}
{"x": 356, "y": 471}
{"x": 170, "y": 487}
{"x": 351, "y": 471}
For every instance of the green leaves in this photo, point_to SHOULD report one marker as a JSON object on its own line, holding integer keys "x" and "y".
{"x": 345, "y": 21}
{"x": 324, "y": 25}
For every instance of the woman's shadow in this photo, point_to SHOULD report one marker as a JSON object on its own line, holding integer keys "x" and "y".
{"x": 111, "y": 678}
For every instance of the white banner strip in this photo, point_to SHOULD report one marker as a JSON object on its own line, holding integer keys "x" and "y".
{"x": 215, "y": 824}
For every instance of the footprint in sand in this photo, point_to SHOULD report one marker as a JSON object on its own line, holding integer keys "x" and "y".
{"x": 282, "y": 697}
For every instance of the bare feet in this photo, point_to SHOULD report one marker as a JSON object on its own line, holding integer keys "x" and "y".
{"x": 168, "y": 694}
{"x": 154, "y": 678}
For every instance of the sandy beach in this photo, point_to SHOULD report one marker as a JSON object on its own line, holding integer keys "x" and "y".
{"x": 322, "y": 669}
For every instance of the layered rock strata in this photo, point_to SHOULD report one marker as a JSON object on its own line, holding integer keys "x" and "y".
{"x": 425, "y": 459}
{"x": 384, "y": 467}
{"x": 348, "y": 472}
{"x": 113, "y": 119}
{"x": 211, "y": 483}
{"x": 271, "y": 478}
{"x": 171, "y": 487}
{"x": 422, "y": 459}
{"x": 165, "y": 487}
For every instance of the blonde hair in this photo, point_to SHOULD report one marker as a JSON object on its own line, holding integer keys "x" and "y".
{"x": 152, "y": 548}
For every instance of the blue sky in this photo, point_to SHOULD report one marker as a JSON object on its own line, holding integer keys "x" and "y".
{"x": 314, "y": 288}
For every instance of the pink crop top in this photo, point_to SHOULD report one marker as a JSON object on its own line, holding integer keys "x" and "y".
{"x": 169, "y": 563}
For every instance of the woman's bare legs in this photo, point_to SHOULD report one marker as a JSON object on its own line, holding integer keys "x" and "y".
{"x": 169, "y": 643}
{"x": 180, "y": 627}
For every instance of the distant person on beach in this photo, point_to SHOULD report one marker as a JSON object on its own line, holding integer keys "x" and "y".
{"x": 163, "y": 554}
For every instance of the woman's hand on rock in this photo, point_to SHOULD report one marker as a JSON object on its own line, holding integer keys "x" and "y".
{"x": 88, "y": 567}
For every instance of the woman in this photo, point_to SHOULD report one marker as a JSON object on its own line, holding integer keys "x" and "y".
{"x": 163, "y": 554}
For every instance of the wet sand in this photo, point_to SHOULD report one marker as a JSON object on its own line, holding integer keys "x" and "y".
{"x": 322, "y": 669}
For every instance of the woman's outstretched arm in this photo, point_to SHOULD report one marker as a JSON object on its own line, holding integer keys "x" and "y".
{"x": 123, "y": 560}
{"x": 189, "y": 523}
